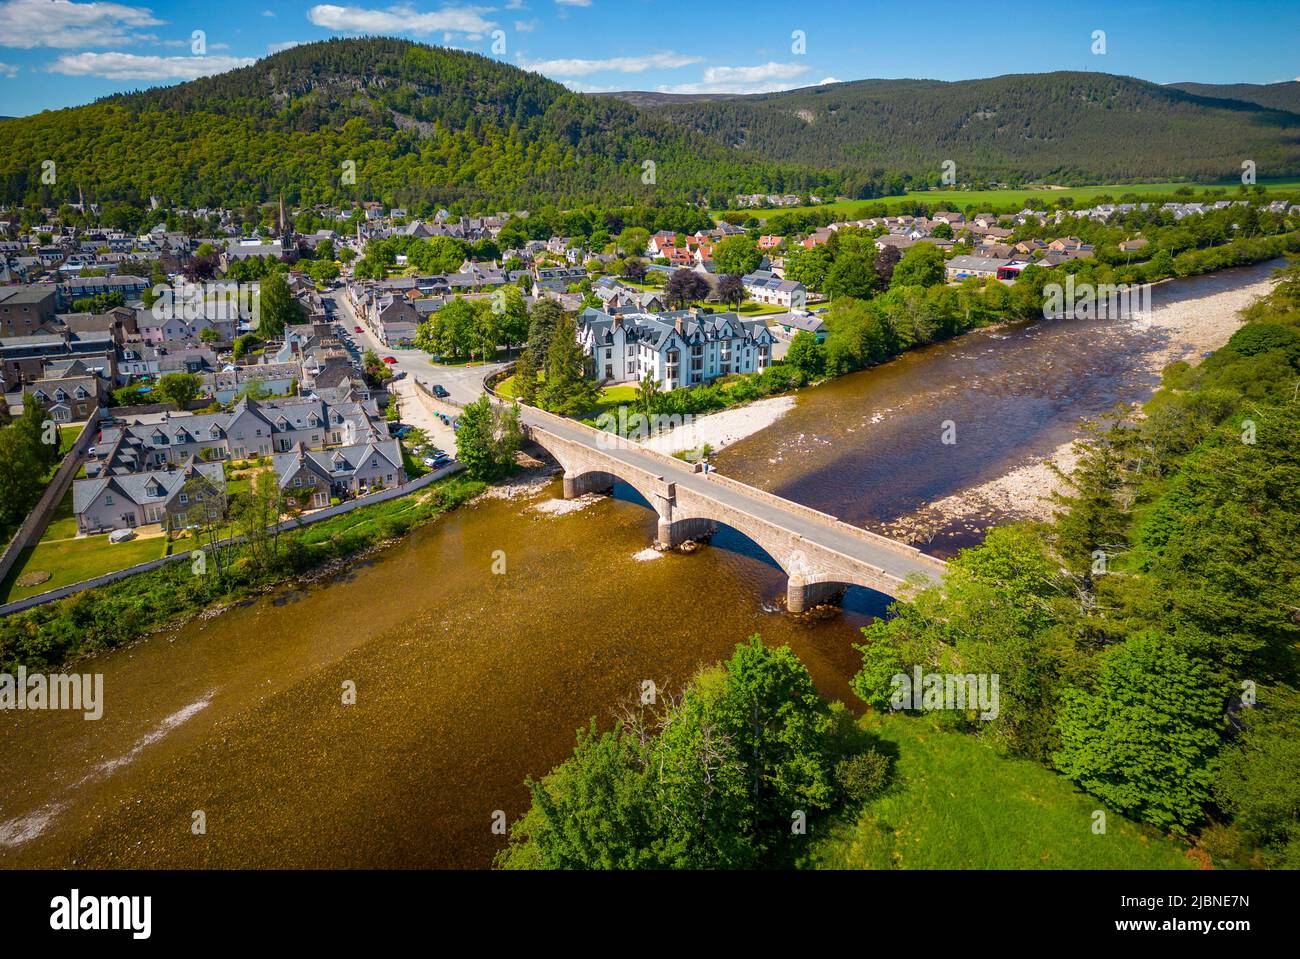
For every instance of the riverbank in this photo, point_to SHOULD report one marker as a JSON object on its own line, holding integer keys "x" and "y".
{"x": 107, "y": 617}
{"x": 721, "y": 429}
{"x": 1184, "y": 330}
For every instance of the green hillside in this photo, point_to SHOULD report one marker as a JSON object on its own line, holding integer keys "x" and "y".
{"x": 1060, "y": 127}
{"x": 418, "y": 122}
{"x": 1274, "y": 96}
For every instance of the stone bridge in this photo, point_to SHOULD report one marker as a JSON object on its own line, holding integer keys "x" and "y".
{"x": 819, "y": 554}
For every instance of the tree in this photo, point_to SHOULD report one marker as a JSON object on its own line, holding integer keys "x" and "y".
{"x": 545, "y": 318}
{"x": 487, "y": 438}
{"x": 684, "y": 287}
{"x": 736, "y": 254}
{"x": 942, "y": 230}
{"x": 884, "y": 264}
{"x": 1258, "y": 779}
{"x": 277, "y": 306}
{"x": 209, "y": 334}
{"x": 512, "y": 315}
{"x": 634, "y": 269}
{"x": 180, "y": 389}
{"x": 731, "y": 290}
{"x": 921, "y": 265}
{"x": 808, "y": 267}
{"x": 526, "y": 370}
{"x": 648, "y": 394}
{"x": 852, "y": 274}
{"x": 1144, "y": 738}
{"x": 709, "y": 783}
{"x": 244, "y": 345}
{"x": 806, "y": 354}
{"x": 374, "y": 369}
{"x": 568, "y": 389}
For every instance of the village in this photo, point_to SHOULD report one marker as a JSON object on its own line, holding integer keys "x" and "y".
{"x": 169, "y": 396}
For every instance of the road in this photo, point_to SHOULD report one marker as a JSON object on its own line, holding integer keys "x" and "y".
{"x": 464, "y": 383}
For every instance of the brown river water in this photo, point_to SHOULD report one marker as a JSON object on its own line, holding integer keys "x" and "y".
{"x": 468, "y": 681}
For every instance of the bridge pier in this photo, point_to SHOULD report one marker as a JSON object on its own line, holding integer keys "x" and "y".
{"x": 671, "y": 535}
{"x": 801, "y": 597}
{"x": 576, "y": 485}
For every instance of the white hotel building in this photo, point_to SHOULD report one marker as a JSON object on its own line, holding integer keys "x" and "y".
{"x": 679, "y": 348}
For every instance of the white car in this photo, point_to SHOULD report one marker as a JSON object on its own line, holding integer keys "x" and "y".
{"x": 121, "y": 535}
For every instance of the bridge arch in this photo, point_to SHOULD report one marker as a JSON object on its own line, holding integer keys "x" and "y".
{"x": 820, "y": 556}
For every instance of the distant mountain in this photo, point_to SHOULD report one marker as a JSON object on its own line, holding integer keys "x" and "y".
{"x": 1275, "y": 96}
{"x": 405, "y": 122}
{"x": 1068, "y": 127}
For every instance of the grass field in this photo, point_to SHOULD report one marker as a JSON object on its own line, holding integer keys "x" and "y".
{"x": 957, "y": 804}
{"x": 1000, "y": 199}
{"x": 70, "y": 560}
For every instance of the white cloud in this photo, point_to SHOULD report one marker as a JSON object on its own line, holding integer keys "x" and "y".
{"x": 283, "y": 45}
{"x": 826, "y": 80}
{"x": 62, "y": 24}
{"x": 665, "y": 60}
{"x": 8, "y": 70}
{"x": 129, "y": 66}
{"x": 573, "y": 3}
{"x": 268, "y": 13}
{"x": 400, "y": 19}
{"x": 759, "y": 79}
{"x": 525, "y": 26}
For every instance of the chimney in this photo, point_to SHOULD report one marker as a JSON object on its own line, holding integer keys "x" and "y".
{"x": 618, "y": 322}
{"x": 680, "y": 325}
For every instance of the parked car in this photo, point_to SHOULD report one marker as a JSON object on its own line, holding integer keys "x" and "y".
{"x": 121, "y": 535}
{"x": 439, "y": 391}
{"x": 356, "y": 329}
{"x": 389, "y": 359}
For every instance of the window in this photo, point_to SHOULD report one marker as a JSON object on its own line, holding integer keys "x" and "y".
{"x": 108, "y": 500}
{"x": 297, "y": 481}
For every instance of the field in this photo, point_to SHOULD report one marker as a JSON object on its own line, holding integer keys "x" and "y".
{"x": 957, "y": 804}
{"x": 1001, "y": 199}
{"x": 70, "y": 560}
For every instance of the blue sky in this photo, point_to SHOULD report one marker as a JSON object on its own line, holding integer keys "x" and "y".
{"x": 56, "y": 53}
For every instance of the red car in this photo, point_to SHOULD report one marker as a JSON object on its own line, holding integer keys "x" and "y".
{"x": 356, "y": 329}
{"x": 389, "y": 359}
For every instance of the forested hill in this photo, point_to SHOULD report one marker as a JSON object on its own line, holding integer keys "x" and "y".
{"x": 1274, "y": 96}
{"x": 1068, "y": 127}
{"x": 419, "y": 122}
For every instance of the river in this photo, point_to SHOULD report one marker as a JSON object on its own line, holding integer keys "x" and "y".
{"x": 469, "y": 680}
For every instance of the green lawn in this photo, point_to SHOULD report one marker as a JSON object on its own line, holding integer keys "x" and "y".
{"x": 611, "y": 397}
{"x": 957, "y": 804}
{"x": 960, "y": 199}
{"x": 72, "y": 560}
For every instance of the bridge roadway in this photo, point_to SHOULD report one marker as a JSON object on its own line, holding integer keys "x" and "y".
{"x": 819, "y": 554}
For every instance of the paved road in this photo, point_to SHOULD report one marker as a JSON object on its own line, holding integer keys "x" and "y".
{"x": 464, "y": 383}
{"x": 897, "y": 564}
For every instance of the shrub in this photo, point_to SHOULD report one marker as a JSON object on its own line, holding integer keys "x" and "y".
{"x": 864, "y": 776}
